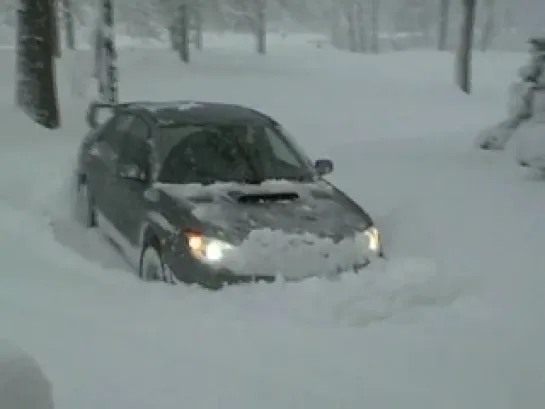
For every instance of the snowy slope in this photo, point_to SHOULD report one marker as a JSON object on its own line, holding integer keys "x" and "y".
{"x": 453, "y": 320}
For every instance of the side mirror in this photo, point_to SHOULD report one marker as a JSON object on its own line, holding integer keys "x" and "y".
{"x": 98, "y": 113}
{"x": 132, "y": 172}
{"x": 323, "y": 166}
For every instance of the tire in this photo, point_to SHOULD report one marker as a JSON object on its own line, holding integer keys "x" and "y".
{"x": 152, "y": 266}
{"x": 86, "y": 211}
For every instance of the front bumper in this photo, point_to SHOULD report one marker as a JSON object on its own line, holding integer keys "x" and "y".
{"x": 214, "y": 278}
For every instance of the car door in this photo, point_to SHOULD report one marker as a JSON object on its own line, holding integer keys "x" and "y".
{"x": 130, "y": 205}
{"x": 103, "y": 156}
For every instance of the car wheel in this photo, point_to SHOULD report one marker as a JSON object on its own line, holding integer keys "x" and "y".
{"x": 86, "y": 206}
{"x": 152, "y": 267}
{"x": 151, "y": 262}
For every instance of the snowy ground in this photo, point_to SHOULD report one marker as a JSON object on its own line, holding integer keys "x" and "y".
{"x": 454, "y": 320}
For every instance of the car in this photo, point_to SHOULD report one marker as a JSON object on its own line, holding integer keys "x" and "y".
{"x": 214, "y": 194}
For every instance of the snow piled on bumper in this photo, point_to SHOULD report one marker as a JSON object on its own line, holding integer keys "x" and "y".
{"x": 267, "y": 252}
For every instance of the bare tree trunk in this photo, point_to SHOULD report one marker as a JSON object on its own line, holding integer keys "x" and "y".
{"x": 55, "y": 29}
{"x": 336, "y": 36}
{"x": 360, "y": 28}
{"x": 181, "y": 29}
{"x": 488, "y": 29}
{"x": 375, "y": 9}
{"x": 36, "y": 89}
{"x": 349, "y": 16}
{"x": 198, "y": 26}
{"x": 107, "y": 78}
{"x": 261, "y": 26}
{"x": 444, "y": 14}
{"x": 98, "y": 51}
{"x": 465, "y": 45}
{"x": 70, "y": 31}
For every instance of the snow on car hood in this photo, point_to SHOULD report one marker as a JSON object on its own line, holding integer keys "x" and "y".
{"x": 192, "y": 190}
{"x": 315, "y": 208}
{"x": 315, "y": 235}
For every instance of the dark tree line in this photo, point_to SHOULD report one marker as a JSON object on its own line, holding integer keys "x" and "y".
{"x": 39, "y": 42}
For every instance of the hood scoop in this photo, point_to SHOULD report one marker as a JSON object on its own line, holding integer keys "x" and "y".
{"x": 321, "y": 194}
{"x": 263, "y": 198}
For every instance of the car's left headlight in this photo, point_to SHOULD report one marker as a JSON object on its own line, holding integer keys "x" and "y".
{"x": 372, "y": 240}
{"x": 207, "y": 249}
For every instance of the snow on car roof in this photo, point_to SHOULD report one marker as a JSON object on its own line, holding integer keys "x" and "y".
{"x": 173, "y": 113}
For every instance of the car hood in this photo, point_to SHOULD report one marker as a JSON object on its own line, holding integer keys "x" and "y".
{"x": 297, "y": 208}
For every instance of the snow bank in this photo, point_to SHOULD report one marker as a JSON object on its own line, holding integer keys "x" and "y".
{"x": 23, "y": 385}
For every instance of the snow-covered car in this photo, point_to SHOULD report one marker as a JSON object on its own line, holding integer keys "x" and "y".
{"x": 215, "y": 194}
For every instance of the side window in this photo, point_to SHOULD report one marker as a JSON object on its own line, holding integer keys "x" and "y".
{"x": 123, "y": 123}
{"x": 111, "y": 134}
{"x": 280, "y": 149}
{"x": 136, "y": 149}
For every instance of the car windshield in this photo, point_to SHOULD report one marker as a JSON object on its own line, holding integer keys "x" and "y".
{"x": 229, "y": 153}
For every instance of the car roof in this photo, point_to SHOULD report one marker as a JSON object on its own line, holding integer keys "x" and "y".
{"x": 174, "y": 113}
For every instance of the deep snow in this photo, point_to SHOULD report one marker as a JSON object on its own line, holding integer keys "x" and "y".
{"x": 454, "y": 319}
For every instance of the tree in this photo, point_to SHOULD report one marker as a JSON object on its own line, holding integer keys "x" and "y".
{"x": 375, "y": 6}
{"x": 488, "y": 28}
{"x": 198, "y": 21}
{"x": 70, "y": 32}
{"x": 444, "y": 14}
{"x": 465, "y": 45}
{"x": 181, "y": 30}
{"x": 260, "y": 26}
{"x": 349, "y": 9}
{"x": 106, "y": 55}
{"x": 36, "y": 89}
{"x": 55, "y": 38}
{"x": 360, "y": 27}
{"x": 354, "y": 16}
